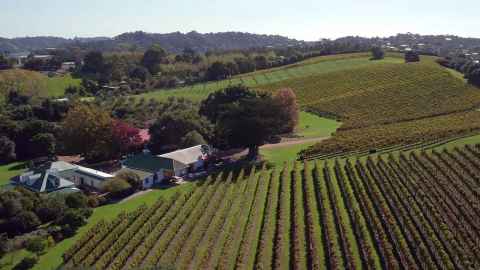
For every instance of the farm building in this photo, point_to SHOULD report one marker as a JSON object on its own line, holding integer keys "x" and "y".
{"x": 153, "y": 169}
{"x": 59, "y": 175}
{"x": 66, "y": 67}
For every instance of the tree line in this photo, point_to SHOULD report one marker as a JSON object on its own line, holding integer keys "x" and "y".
{"x": 461, "y": 63}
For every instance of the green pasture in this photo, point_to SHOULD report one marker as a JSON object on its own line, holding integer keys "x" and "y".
{"x": 56, "y": 85}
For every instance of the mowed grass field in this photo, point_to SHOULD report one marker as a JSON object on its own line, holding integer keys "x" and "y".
{"x": 309, "y": 126}
{"x": 379, "y": 213}
{"x": 10, "y": 170}
{"x": 312, "y": 126}
{"x": 56, "y": 85}
{"x": 33, "y": 83}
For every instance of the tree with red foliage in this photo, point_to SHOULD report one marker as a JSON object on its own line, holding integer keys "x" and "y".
{"x": 288, "y": 101}
{"x": 125, "y": 138}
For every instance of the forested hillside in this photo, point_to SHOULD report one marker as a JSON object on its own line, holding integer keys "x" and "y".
{"x": 172, "y": 42}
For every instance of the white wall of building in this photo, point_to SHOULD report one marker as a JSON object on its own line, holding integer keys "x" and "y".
{"x": 84, "y": 179}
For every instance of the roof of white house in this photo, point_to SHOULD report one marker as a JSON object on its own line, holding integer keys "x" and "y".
{"x": 92, "y": 172}
{"x": 48, "y": 179}
{"x": 62, "y": 166}
{"x": 188, "y": 155}
{"x": 44, "y": 181}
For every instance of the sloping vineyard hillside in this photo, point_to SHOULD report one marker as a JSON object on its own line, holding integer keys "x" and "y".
{"x": 425, "y": 130}
{"x": 383, "y": 94}
{"x": 387, "y": 104}
{"x": 317, "y": 65}
{"x": 409, "y": 212}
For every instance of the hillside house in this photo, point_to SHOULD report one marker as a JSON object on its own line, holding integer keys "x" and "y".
{"x": 19, "y": 58}
{"x": 58, "y": 175}
{"x": 45, "y": 181}
{"x": 153, "y": 169}
{"x": 66, "y": 67}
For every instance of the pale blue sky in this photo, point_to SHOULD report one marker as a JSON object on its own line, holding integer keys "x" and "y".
{"x": 301, "y": 19}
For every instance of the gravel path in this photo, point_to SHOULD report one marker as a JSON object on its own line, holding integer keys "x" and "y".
{"x": 136, "y": 194}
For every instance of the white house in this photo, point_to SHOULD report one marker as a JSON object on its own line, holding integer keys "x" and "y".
{"x": 66, "y": 67}
{"x": 153, "y": 169}
{"x": 58, "y": 175}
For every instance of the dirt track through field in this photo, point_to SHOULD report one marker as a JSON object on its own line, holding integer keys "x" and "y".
{"x": 292, "y": 142}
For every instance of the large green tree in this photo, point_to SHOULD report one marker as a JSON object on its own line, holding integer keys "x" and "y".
{"x": 4, "y": 63}
{"x": 377, "y": 53}
{"x": 251, "y": 122}
{"x": 87, "y": 131}
{"x": 217, "y": 71}
{"x": 218, "y": 102}
{"x": 412, "y": 56}
{"x": 43, "y": 144}
{"x": 93, "y": 63}
{"x": 245, "y": 118}
{"x": 152, "y": 59}
{"x": 472, "y": 73}
{"x": 169, "y": 129}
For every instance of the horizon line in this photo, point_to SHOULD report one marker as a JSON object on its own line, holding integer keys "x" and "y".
{"x": 220, "y": 32}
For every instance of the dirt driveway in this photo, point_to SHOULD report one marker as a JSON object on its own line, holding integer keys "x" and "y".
{"x": 292, "y": 142}
{"x": 283, "y": 143}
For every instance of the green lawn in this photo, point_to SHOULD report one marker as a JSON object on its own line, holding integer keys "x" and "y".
{"x": 10, "y": 170}
{"x": 309, "y": 126}
{"x": 461, "y": 142}
{"x": 56, "y": 85}
{"x": 278, "y": 156}
{"x": 312, "y": 126}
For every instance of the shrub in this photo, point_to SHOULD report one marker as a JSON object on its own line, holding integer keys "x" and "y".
{"x": 36, "y": 245}
{"x": 192, "y": 138}
{"x": 50, "y": 209}
{"x": 25, "y": 221}
{"x": 67, "y": 231}
{"x": 76, "y": 200}
{"x": 377, "y": 53}
{"x": 26, "y": 263}
{"x": 118, "y": 188}
{"x": 132, "y": 178}
{"x": 412, "y": 56}
{"x": 7, "y": 150}
{"x": 75, "y": 217}
{"x": 93, "y": 202}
